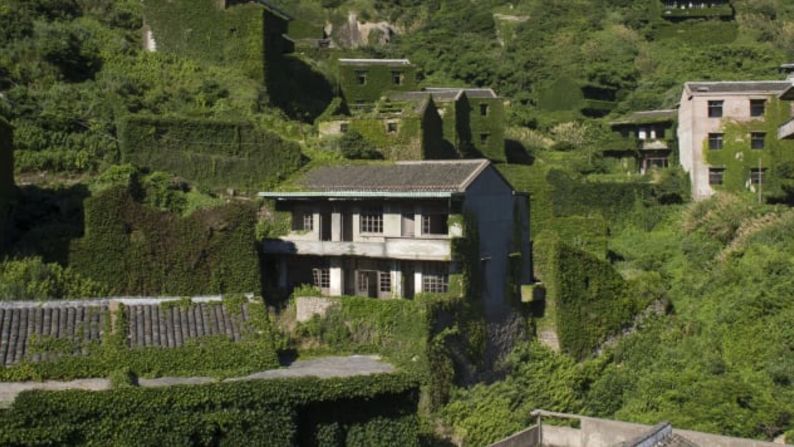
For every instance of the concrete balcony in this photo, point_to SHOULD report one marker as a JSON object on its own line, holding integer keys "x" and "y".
{"x": 654, "y": 145}
{"x": 786, "y": 131}
{"x": 416, "y": 249}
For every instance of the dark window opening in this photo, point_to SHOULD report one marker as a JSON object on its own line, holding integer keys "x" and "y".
{"x": 757, "y": 175}
{"x": 715, "y": 109}
{"x": 484, "y": 137}
{"x": 716, "y": 176}
{"x": 435, "y": 278}
{"x": 302, "y": 221}
{"x": 397, "y": 77}
{"x": 484, "y": 109}
{"x": 757, "y": 140}
{"x": 757, "y": 107}
{"x": 716, "y": 141}
{"x": 435, "y": 224}
{"x": 343, "y": 127}
{"x": 391, "y": 127}
{"x": 361, "y": 77}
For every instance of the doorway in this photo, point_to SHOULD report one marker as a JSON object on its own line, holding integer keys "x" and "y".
{"x": 367, "y": 283}
{"x": 325, "y": 226}
{"x": 347, "y": 227}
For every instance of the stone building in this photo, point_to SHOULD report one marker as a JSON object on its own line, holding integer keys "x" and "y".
{"x": 727, "y": 135}
{"x": 678, "y": 10}
{"x": 395, "y": 230}
{"x": 647, "y": 140}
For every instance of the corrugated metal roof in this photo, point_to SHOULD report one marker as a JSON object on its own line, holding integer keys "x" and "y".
{"x": 395, "y": 62}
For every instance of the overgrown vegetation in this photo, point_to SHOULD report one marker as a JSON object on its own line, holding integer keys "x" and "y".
{"x": 362, "y": 411}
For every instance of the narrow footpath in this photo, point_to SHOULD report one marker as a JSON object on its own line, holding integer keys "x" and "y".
{"x": 323, "y": 367}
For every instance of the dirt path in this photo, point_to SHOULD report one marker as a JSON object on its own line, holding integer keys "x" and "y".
{"x": 323, "y": 367}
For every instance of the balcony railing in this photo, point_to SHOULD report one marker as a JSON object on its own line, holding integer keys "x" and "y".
{"x": 421, "y": 249}
{"x": 786, "y": 131}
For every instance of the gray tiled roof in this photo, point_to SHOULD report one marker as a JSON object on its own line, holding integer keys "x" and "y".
{"x": 772, "y": 87}
{"x": 660, "y": 435}
{"x": 425, "y": 176}
{"x": 172, "y": 326}
{"x": 147, "y": 325}
{"x": 443, "y": 96}
{"x": 20, "y": 327}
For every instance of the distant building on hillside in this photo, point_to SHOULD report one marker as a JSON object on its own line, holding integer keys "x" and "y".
{"x": 677, "y": 10}
{"x": 362, "y": 82}
{"x": 647, "y": 140}
{"x": 394, "y": 230}
{"x": 728, "y": 136}
{"x": 382, "y": 102}
{"x": 250, "y": 34}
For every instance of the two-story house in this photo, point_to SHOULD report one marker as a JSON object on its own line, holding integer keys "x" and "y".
{"x": 389, "y": 230}
{"x": 727, "y": 134}
{"x": 646, "y": 140}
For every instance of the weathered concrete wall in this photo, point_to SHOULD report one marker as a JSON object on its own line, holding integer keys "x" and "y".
{"x": 308, "y": 307}
{"x": 606, "y": 433}
{"x": 554, "y": 436}
{"x": 527, "y": 438}
{"x": 490, "y": 200}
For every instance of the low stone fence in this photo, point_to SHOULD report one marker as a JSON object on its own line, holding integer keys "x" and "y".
{"x": 309, "y": 306}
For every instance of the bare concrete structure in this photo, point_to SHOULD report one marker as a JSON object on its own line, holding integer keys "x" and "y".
{"x": 595, "y": 432}
{"x": 705, "y": 110}
{"x": 389, "y": 230}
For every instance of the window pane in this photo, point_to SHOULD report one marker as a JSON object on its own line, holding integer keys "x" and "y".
{"x": 716, "y": 176}
{"x": 757, "y": 107}
{"x": 322, "y": 278}
{"x": 715, "y": 141}
{"x": 372, "y": 220}
{"x": 715, "y": 109}
{"x": 384, "y": 281}
{"x": 757, "y": 140}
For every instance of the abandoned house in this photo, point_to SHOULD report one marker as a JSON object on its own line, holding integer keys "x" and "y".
{"x": 390, "y": 230}
{"x": 251, "y": 34}
{"x": 380, "y": 100}
{"x": 646, "y": 140}
{"x": 362, "y": 82}
{"x": 728, "y": 134}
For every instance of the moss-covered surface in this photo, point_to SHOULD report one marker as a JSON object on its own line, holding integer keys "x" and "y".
{"x": 245, "y": 36}
{"x": 213, "y": 153}
{"x": 378, "y": 81}
{"x": 138, "y": 250}
{"x": 738, "y": 158}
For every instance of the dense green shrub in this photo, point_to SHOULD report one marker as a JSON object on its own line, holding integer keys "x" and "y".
{"x": 586, "y": 298}
{"x": 32, "y": 279}
{"x": 367, "y": 411}
{"x": 138, "y": 250}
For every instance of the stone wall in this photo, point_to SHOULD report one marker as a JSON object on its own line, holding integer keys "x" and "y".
{"x": 308, "y": 307}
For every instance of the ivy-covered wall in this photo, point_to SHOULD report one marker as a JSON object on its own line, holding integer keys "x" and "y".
{"x": 378, "y": 81}
{"x": 138, "y": 250}
{"x": 738, "y": 158}
{"x": 245, "y": 35}
{"x": 586, "y": 298}
{"x": 487, "y": 130}
{"x": 212, "y": 153}
{"x": 7, "y": 188}
{"x": 371, "y": 411}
